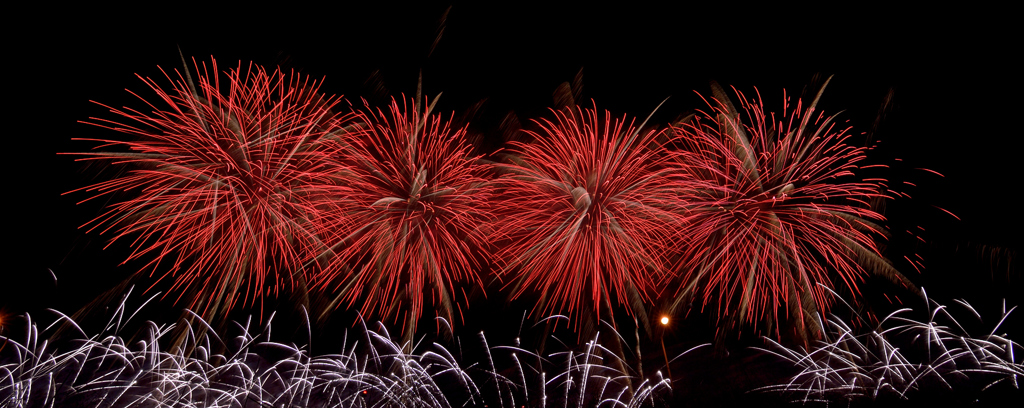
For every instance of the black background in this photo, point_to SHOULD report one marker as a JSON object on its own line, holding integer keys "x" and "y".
{"x": 955, "y": 109}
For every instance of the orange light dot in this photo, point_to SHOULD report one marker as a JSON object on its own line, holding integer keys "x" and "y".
{"x": 664, "y": 320}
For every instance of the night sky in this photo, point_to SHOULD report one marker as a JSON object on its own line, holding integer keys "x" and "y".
{"x": 956, "y": 98}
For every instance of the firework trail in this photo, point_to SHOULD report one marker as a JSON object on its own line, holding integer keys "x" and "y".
{"x": 371, "y": 370}
{"x": 902, "y": 358}
{"x": 408, "y": 232}
{"x": 585, "y": 213}
{"x": 223, "y": 183}
{"x": 773, "y": 210}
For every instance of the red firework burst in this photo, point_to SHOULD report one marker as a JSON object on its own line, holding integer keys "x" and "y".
{"x": 224, "y": 181}
{"x": 411, "y": 222}
{"x": 776, "y": 216}
{"x": 585, "y": 213}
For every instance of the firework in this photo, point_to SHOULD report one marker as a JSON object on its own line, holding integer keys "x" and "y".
{"x": 371, "y": 370}
{"x": 773, "y": 210}
{"x": 901, "y": 358}
{"x": 223, "y": 181}
{"x": 585, "y": 214}
{"x": 409, "y": 228}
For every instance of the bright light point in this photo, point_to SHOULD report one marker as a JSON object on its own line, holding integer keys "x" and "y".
{"x": 664, "y": 320}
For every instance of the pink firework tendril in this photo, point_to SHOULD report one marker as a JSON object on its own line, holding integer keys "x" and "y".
{"x": 775, "y": 213}
{"x": 586, "y": 213}
{"x": 224, "y": 181}
{"x": 410, "y": 228}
